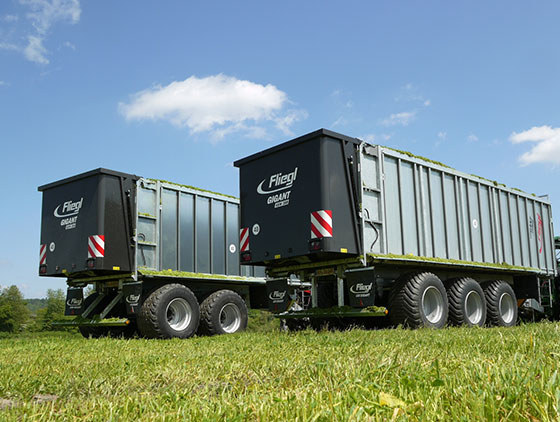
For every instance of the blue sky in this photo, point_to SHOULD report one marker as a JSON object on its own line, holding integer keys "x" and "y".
{"x": 179, "y": 90}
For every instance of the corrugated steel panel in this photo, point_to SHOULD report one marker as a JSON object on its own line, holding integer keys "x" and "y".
{"x": 185, "y": 229}
{"x": 416, "y": 207}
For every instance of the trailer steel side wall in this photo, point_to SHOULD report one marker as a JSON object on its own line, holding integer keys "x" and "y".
{"x": 415, "y": 207}
{"x": 181, "y": 228}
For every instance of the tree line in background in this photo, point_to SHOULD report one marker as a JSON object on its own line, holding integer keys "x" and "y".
{"x": 18, "y": 314}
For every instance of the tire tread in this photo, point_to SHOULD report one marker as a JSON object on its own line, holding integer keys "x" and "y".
{"x": 455, "y": 297}
{"x": 492, "y": 295}
{"x": 148, "y": 324}
{"x": 208, "y": 309}
{"x": 404, "y": 306}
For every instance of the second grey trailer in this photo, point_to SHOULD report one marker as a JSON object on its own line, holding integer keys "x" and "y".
{"x": 162, "y": 258}
{"x": 374, "y": 230}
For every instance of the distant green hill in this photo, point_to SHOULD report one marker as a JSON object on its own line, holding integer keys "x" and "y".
{"x": 35, "y": 304}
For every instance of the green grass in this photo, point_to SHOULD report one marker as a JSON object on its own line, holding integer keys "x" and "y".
{"x": 452, "y": 374}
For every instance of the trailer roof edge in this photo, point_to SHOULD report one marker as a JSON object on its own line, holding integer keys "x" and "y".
{"x": 100, "y": 170}
{"x": 303, "y": 138}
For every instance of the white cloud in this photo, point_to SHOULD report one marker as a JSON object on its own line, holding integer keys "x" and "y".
{"x": 442, "y": 136}
{"x": 69, "y": 45}
{"x": 411, "y": 94}
{"x": 547, "y": 148}
{"x": 42, "y": 15}
{"x": 45, "y": 13}
{"x": 370, "y": 137}
{"x": 10, "y": 18}
{"x": 402, "y": 119}
{"x": 472, "y": 138}
{"x": 341, "y": 121}
{"x": 373, "y": 138}
{"x": 8, "y": 46}
{"x": 219, "y": 104}
{"x": 408, "y": 93}
{"x": 292, "y": 116}
{"x": 35, "y": 51}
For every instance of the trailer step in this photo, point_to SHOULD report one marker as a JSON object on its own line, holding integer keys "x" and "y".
{"x": 88, "y": 322}
{"x": 373, "y": 311}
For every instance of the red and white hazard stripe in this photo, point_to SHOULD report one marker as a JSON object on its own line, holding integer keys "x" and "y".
{"x": 244, "y": 239}
{"x": 321, "y": 224}
{"x": 43, "y": 255}
{"x": 96, "y": 246}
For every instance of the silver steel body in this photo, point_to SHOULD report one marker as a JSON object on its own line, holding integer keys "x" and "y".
{"x": 413, "y": 207}
{"x": 180, "y": 228}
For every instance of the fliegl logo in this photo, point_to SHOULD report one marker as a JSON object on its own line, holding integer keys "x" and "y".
{"x": 68, "y": 213}
{"x": 277, "y": 296}
{"x": 74, "y": 303}
{"x": 361, "y": 289}
{"x": 275, "y": 187}
{"x": 132, "y": 299}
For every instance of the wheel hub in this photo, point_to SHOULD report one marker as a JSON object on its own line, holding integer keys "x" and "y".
{"x": 432, "y": 304}
{"x": 230, "y": 318}
{"x": 506, "y": 306}
{"x": 473, "y": 307}
{"x": 179, "y": 314}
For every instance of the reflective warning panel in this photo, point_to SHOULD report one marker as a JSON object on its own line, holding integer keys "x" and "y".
{"x": 321, "y": 224}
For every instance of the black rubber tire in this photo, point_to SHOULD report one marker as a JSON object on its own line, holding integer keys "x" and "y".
{"x": 494, "y": 292}
{"x": 152, "y": 319}
{"x": 211, "y": 314}
{"x": 406, "y": 301}
{"x": 458, "y": 291}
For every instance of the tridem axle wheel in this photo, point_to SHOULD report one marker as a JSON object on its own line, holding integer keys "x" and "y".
{"x": 502, "y": 304}
{"x": 223, "y": 312}
{"x": 418, "y": 300}
{"x": 170, "y": 311}
{"x": 467, "y": 305}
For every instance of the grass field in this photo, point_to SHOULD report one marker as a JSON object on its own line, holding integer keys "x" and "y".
{"x": 451, "y": 374}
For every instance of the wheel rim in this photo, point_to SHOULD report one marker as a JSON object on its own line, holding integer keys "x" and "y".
{"x": 432, "y": 304}
{"x": 179, "y": 314}
{"x": 473, "y": 307}
{"x": 230, "y": 318}
{"x": 506, "y": 307}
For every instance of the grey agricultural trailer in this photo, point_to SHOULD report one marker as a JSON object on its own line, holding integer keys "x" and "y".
{"x": 373, "y": 231}
{"x": 163, "y": 258}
